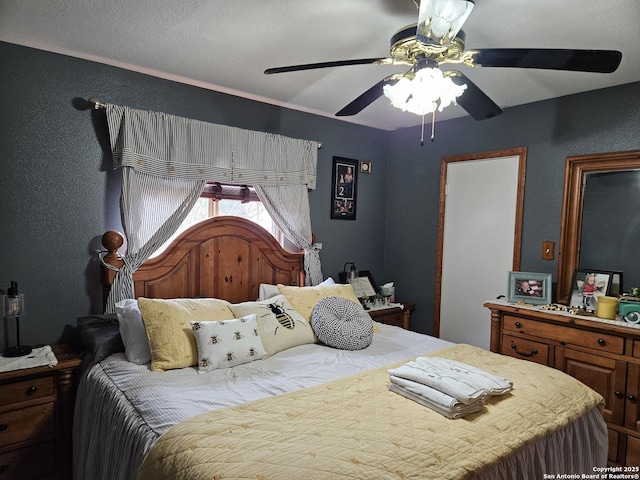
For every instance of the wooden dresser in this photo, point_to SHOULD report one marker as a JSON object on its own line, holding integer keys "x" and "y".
{"x": 400, "y": 317}
{"x": 36, "y": 415}
{"x": 603, "y": 354}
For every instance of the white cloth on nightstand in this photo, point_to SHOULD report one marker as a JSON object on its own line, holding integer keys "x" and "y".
{"x": 37, "y": 358}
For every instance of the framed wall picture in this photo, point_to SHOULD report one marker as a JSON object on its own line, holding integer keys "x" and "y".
{"x": 344, "y": 188}
{"x": 588, "y": 284}
{"x": 530, "y": 287}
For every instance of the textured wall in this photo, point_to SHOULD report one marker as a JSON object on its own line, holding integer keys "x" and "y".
{"x": 58, "y": 193}
{"x": 599, "y": 121}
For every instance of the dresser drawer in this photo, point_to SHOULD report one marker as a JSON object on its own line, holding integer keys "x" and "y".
{"x": 26, "y": 390}
{"x": 569, "y": 335}
{"x": 27, "y": 423}
{"x": 526, "y": 349}
{"x": 31, "y": 462}
{"x": 614, "y": 441}
{"x": 633, "y": 451}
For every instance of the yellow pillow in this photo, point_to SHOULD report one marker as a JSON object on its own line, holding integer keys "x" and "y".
{"x": 171, "y": 338}
{"x": 303, "y": 299}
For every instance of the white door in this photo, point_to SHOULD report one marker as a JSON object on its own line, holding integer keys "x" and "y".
{"x": 478, "y": 244}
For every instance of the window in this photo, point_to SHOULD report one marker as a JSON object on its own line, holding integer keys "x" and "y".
{"x": 237, "y": 200}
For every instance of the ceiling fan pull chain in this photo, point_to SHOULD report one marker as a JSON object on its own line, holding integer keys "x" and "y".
{"x": 422, "y": 132}
{"x": 433, "y": 125}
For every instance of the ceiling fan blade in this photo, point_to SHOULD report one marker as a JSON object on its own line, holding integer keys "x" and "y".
{"x": 367, "y": 98}
{"x": 474, "y": 100}
{"x": 599, "y": 61}
{"x": 313, "y": 66}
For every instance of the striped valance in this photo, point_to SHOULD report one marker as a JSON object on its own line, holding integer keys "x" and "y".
{"x": 165, "y": 145}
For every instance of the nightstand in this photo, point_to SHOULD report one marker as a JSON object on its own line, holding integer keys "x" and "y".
{"x": 36, "y": 415}
{"x": 394, "y": 315}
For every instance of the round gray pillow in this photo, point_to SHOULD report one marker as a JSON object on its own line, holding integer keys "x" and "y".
{"x": 342, "y": 323}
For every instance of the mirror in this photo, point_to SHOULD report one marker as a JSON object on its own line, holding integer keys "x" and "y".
{"x": 600, "y": 225}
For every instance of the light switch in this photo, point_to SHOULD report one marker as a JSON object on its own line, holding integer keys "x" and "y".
{"x": 548, "y": 250}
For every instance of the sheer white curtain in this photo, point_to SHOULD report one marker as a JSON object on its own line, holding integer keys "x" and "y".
{"x": 152, "y": 208}
{"x": 287, "y": 207}
{"x": 166, "y": 161}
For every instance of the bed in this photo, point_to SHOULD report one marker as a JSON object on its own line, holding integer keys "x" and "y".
{"x": 304, "y": 410}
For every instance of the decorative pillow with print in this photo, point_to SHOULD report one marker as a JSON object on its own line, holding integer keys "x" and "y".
{"x": 167, "y": 322}
{"x": 280, "y": 326}
{"x": 226, "y": 343}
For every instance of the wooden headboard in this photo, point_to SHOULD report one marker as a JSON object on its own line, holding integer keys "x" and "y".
{"x": 223, "y": 257}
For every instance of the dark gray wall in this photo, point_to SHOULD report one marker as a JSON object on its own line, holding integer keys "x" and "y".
{"x": 58, "y": 193}
{"x": 599, "y": 121}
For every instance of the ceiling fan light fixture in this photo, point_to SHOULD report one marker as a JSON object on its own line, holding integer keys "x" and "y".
{"x": 424, "y": 91}
{"x": 439, "y": 21}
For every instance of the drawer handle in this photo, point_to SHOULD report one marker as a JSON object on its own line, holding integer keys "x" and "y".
{"x": 619, "y": 394}
{"x": 3, "y": 427}
{"x": 632, "y": 398}
{"x": 518, "y": 325}
{"x": 31, "y": 390}
{"x": 524, "y": 354}
{"x": 601, "y": 342}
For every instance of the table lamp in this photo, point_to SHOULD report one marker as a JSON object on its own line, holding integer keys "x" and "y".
{"x": 12, "y": 305}
{"x": 351, "y": 275}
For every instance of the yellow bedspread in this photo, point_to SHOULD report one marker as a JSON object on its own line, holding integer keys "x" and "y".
{"x": 356, "y": 428}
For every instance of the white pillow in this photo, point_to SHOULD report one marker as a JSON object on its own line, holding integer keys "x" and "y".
{"x": 267, "y": 291}
{"x": 279, "y": 325}
{"x": 132, "y": 331}
{"x": 226, "y": 343}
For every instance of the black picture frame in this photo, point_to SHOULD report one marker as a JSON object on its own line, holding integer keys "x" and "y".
{"x": 344, "y": 190}
{"x": 362, "y": 273}
{"x": 605, "y": 282}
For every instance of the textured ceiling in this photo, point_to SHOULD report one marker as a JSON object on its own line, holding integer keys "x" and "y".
{"x": 226, "y": 45}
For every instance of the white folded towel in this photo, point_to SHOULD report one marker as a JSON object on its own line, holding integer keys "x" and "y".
{"x": 463, "y": 382}
{"x": 37, "y": 358}
{"x": 491, "y": 383}
{"x": 429, "y": 397}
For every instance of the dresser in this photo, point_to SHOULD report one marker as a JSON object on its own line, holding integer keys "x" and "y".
{"x": 36, "y": 415}
{"x": 603, "y": 354}
{"x": 398, "y": 316}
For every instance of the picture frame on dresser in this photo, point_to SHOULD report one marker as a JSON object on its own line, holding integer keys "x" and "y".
{"x": 597, "y": 282}
{"x": 529, "y": 287}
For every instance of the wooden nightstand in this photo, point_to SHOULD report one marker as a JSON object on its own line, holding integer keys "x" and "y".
{"x": 36, "y": 415}
{"x": 394, "y": 316}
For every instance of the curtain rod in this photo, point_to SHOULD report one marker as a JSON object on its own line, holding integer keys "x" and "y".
{"x": 97, "y": 104}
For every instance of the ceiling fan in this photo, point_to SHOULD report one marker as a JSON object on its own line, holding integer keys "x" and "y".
{"x": 437, "y": 41}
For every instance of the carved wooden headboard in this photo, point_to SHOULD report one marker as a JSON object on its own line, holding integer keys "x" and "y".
{"x": 223, "y": 257}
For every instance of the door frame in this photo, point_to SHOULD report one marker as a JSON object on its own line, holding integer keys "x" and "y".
{"x": 521, "y": 153}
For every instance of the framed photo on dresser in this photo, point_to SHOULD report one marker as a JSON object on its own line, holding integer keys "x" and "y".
{"x": 588, "y": 284}
{"x": 529, "y": 287}
{"x": 344, "y": 191}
